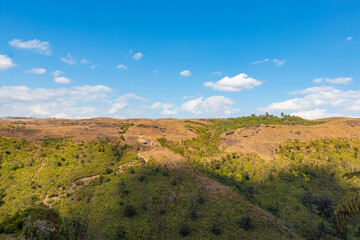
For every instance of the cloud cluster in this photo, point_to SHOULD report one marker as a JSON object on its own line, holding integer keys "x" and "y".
{"x": 34, "y": 45}
{"x": 37, "y": 71}
{"x": 214, "y": 105}
{"x": 123, "y": 101}
{"x": 6, "y": 62}
{"x": 75, "y": 102}
{"x": 317, "y": 102}
{"x": 234, "y": 84}
{"x": 60, "y": 79}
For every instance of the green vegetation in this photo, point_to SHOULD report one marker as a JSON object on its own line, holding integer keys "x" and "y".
{"x": 302, "y": 186}
{"x": 125, "y": 127}
{"x": 62, "y": 189}
{"x": 102, "y": 190}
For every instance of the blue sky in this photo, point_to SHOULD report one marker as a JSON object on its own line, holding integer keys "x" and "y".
{"x": 182, "y": 59}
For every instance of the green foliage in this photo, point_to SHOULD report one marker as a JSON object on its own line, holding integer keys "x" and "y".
{"x": 184, "y": 229}
{"x": 129, "y": 210}
{"x": 125, "y": 127}
{"x": 245, "y": 222}
{"x": 88, "y": 201}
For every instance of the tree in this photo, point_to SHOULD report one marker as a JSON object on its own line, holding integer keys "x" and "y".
{"x": 348, "y": 206}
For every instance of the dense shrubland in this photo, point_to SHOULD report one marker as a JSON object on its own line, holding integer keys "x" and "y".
{"x": 302, "y": 186}
{"x": 102, "y": 190}
{"x": 63, "y": 189}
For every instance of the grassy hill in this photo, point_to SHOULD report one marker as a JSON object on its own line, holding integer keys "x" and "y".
{"x": 118, "y": 188}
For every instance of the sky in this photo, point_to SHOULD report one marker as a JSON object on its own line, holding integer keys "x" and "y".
{"x": 179, "y": 59}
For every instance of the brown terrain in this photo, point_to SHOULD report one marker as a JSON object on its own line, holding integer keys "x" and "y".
{"x": 259, "y": 139}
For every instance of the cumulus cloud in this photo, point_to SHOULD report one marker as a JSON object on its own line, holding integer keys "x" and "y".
{"x": 123, "y": 101}
{"x": 138, "y": 56}
{"x": 234, "y": 84}
{"x": 121, "y": 66}
{"x": 166, "y": 108}
{"x": 6, "y": 62}
{"x": 34, "y": 45}
{"x": 37, "y": 71}
{"x": 215, "y": 105}
{"x": 339, "y": 80}
{"x": 349, "y": 38}
{"x": 75, "y": 102}
{"x": 319, "y": 101}
{"x": 60, "y": 79}
{"x": 185, "y": 73}
{"x": 69, "y": 59}
{"x": 311, "y": 114}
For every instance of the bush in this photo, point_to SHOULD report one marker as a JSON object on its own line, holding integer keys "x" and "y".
{"x": 215, "y": 229}
{"x": 184, "y": 230}
{"x": 74, "y": 228}
{"x": 131, "y": 170}
{"x": 245, "y": 222}
{"x": 129, "y": 210}
{"x": 141, "y": 178}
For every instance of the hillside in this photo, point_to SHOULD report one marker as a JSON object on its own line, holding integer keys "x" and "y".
{"x": 258, "y": 177}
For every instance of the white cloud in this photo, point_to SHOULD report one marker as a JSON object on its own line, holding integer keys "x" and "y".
{"x": 121, "y": 66}
{"x": 6, "y": 62}
{"x": 138, "y": 56}
{"x": 75, "y": 102}
{"x": 123, "y": 101}
{"x": 279, "y": 62}
{"x": 234, "y": 84}
{"x": 349, "y": 38}
{"x": 333, "y": 100}
{"x": 311, "y": 114}
{"x": 339, "y": 80}
{"x": 318, "y": 80}
{"x": 156, "y": 71}
{"x": 261, "y": 61}
{"x": 69, "y": 59}
{"x": 185, "y": 73}
{"x": 35, "y": 45}
{"x": 85, "y": 61}
{"x": 60, "y": 79}
{"x": 166, "y": 108}
{"x": 37, "y": 71}
{"x": 215, "y": 105}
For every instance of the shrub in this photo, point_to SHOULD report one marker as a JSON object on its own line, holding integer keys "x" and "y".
{"x": 131, "y": 170}
{"x": 215, "y": 229}
{"x": 141, "y": 178}
{"x": 129, "y": 210}
{"x": 184, "y": 230}
{"x": 245, "y": 222}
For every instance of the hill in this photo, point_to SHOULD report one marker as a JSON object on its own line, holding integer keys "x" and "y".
{"x": 258, "y": 177}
